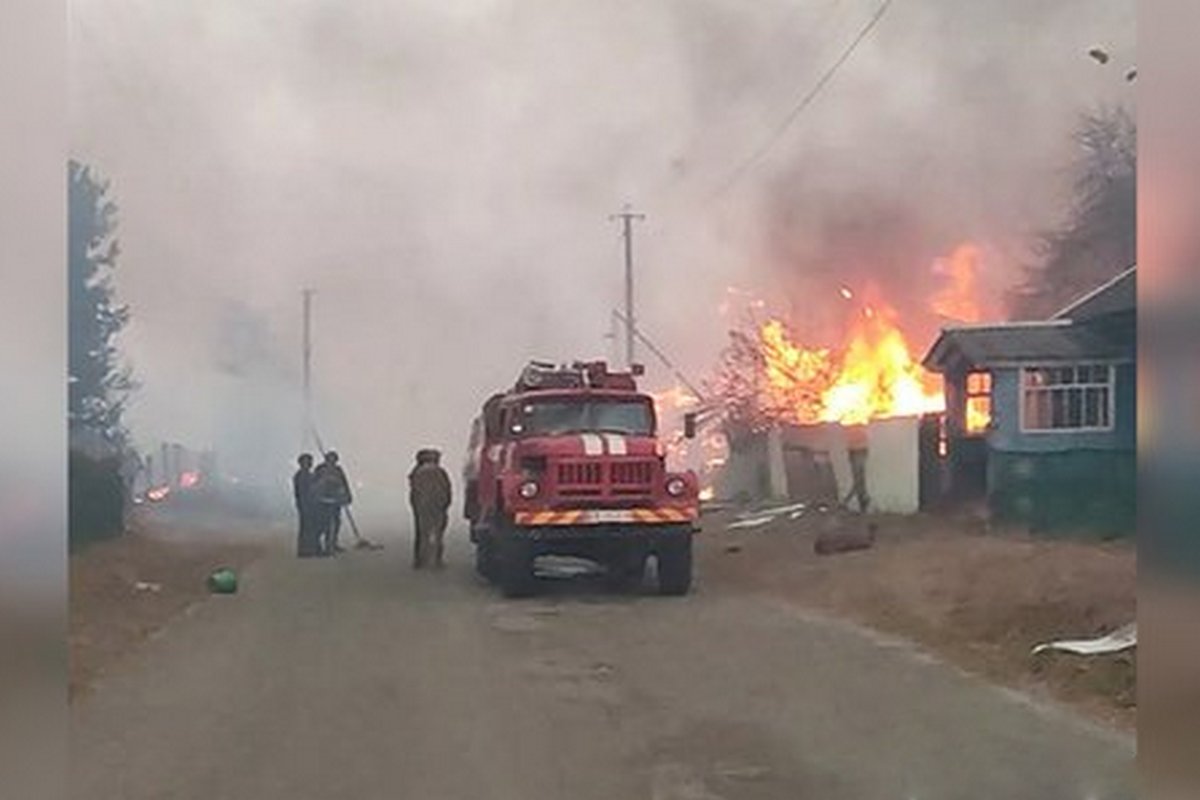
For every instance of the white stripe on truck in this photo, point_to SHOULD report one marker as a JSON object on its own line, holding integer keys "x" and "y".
{"x": 593, "y": 445}
{"x": 616, "y": 444}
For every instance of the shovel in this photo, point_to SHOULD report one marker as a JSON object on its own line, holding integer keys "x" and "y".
{"x": 360, "y": 543}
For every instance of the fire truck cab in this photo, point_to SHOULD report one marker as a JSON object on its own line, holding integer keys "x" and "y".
{"x": 567, "y": 462}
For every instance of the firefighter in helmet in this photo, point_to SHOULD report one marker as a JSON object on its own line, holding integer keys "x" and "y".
{"x": 331, "y": 490}
{"x": 430, "y": 496}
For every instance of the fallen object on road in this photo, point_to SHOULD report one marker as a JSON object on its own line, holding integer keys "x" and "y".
{"x": 223, "y": 581}
{"x": 844, "y": 541}
{"x": 147, "y": 586}
{"x": 734, "y": 547}
{"x": 753, "y": 522}
{"x": 772, "y": 511}
{"x": 1114, "y": 642}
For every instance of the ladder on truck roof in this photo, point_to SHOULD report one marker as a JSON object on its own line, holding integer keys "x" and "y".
{"x": 579, "y": 375}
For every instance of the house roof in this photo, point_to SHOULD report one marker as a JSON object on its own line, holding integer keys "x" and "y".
{"x": 1051, "y": 340}
{"x": 1070, "y": 335}
{"x": 1118, "y": 294}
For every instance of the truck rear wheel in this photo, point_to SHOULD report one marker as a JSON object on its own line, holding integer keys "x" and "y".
{"x": 515, "y": 567}
{"x": 675, "y": 565}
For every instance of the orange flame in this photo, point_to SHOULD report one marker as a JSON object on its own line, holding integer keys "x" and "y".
{"x": 958, "y": 298}
{"x": 979, "y": 401}
{"x": 873, "y": 376}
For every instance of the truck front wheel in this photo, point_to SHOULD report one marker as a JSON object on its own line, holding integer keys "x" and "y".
{"x": 675, "y": 564}
{"x": 485, "y": 558}
{"x": 515, "y": 566}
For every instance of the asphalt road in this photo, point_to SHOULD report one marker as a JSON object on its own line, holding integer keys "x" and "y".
{"x": 357, "y": 678}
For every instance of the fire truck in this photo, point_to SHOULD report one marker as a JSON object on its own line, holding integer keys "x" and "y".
{"x": 567, "y": 462}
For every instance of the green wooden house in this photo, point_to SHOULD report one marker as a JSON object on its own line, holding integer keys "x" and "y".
{"x": 1041, "y": 415}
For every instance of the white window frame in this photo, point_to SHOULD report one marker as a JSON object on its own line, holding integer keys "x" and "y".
{"x": 1112, "y": 396}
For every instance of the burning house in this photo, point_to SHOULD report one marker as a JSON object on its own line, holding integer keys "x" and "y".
{"x": 799, "y": 419}
{"x": 1041, "y": 415}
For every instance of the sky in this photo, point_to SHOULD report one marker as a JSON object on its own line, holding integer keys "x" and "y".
{"x": 442, "y": 176}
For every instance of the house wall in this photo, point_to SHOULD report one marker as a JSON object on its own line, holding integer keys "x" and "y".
{"x": 746, "y": 473}
{"x": 1007, "y": 435}
{"x": 816, "y": 462}
{"x": 1063, "y": 480}
{"x": 893, "y": 465}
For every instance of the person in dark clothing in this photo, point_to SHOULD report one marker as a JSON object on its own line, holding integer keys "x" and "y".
{"x": 430, "y": 496}
{"x": 331, "y": 491}
{"x": 302, "y": 490}
{"x": 856, "y": 451}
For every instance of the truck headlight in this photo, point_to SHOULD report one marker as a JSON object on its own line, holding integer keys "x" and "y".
{"x": 676, "y": 487}
{"x": 528, "y": 490}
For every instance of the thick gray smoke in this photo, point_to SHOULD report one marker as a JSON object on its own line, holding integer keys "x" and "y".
{"x": 441, "y": 175}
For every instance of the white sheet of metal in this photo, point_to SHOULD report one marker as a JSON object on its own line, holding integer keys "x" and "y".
{"x": 1120, "y": 639}
{"x": 893, "y": 465}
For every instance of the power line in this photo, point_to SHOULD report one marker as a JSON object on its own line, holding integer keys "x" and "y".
{"x": 679, "y": 376}
{"x": 804, "y": 103}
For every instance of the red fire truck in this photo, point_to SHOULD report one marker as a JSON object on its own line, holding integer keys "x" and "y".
{"x": 567, "y": 463}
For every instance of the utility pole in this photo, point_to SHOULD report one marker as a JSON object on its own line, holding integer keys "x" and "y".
{"x": 613, "y": 337}
{"x": 627, "y": 217}
{"x": 307, "y": 295}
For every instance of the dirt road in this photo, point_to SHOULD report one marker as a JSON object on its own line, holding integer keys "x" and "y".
{"x": 357, "y": 678}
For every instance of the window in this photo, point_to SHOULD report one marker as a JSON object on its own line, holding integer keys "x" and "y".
{"x": 979, "y": 401}
{"x": 1077, "y": 397}
{"x": 555, "y": 417}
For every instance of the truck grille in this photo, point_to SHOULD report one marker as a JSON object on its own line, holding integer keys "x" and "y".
{"x": 580, "y": 474}
{"x": 597, "y": 479}
{"x": 632, "y": 473}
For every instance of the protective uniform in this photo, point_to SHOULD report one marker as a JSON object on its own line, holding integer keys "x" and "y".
{"x": 430, "y": 496}
{"x": 302, "y": 491}
{"x": 331, "y": 491}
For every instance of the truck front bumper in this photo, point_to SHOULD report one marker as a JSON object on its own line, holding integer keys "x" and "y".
{"x": 583, "y": 517}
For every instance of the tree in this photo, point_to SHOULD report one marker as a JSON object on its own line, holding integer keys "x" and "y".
{"x": 98, "y": 383}
{"x": 1099, "y": 236}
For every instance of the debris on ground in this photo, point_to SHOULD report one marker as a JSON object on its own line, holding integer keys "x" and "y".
{"x": 765, "y": 516}
{"x": 733, "y": 547}
{"x": 1121, "y": 639}
{"x": 223, "y": 581}
{"x": 111, "y": 614}
{"x": 741, "y": 772}
{"x": 841, "y": 540}
{"x": 753, "y": 522}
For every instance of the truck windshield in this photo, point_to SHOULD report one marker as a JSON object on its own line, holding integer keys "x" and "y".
{"x": 553, "y": 417}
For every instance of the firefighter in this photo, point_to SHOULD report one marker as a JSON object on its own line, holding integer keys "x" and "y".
{"x": 429, "y": 494}
{"x": 331, "y": 491}
{"x": 302, "y": 490}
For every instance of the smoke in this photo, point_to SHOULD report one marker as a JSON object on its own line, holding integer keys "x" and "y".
{"x": 441, "y": 175}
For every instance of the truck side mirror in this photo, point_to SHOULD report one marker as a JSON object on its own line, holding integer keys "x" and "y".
{"x": 689, "y": 425}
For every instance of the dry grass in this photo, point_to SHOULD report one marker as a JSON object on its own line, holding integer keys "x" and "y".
{"x": 981, "y": 599}
{"x": 110, "y": 616}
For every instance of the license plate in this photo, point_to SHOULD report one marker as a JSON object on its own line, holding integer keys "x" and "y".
{"x": 603, "y": 516}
